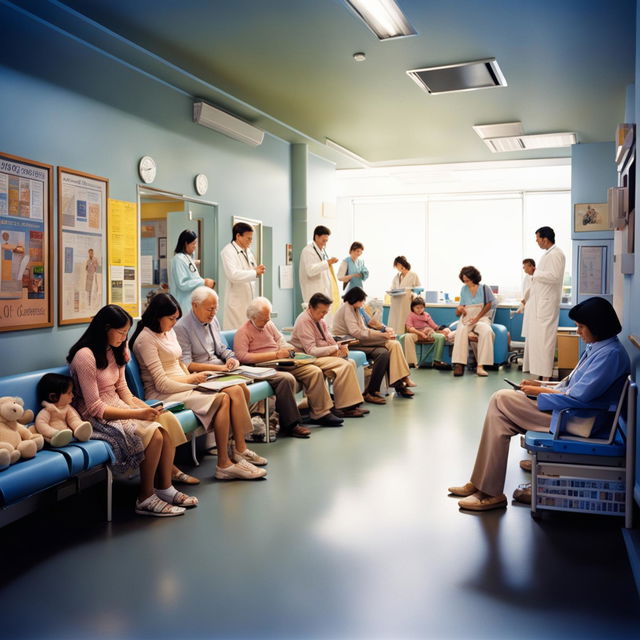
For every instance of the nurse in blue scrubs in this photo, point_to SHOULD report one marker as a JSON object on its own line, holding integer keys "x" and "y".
{"x": 184, "y": 276}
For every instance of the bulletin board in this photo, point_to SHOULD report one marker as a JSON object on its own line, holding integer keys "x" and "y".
{"x": 26, "y": 244}
{"x": 123, "y": 286}
{"x": 82, "y": 205}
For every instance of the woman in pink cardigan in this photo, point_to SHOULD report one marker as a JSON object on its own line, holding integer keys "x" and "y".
{"x": 164, "y": 376}
{"x": 139, "y": 435}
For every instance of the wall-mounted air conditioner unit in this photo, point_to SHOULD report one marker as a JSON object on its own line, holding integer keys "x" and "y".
{"x": 225, "y": 123}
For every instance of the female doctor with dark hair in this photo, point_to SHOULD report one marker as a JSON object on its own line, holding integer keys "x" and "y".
{"x": 595, "y": 383}
{"x": 184, "y": 276}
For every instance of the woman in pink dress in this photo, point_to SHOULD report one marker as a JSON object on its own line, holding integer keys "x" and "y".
{"x": 165, "y": 377}
{"x": 140, "y": 436}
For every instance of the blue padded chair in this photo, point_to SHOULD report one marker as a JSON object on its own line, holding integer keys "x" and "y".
{"x": 588, "y": 475}
{"x": 500, "y": 344}
{"x": 50, "y": 467}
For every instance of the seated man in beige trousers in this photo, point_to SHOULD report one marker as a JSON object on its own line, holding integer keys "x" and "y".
{"x": 258, "y": 340}
{"x": 595, "y": 383}
{"x": 311, "y": 335}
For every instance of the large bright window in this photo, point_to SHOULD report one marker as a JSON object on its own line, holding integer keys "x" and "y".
{"x": 441, "y": 234}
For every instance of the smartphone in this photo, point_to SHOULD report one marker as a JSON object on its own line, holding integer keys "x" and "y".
{"x": 157, "y": 404}
{"x": 515, "y": 385}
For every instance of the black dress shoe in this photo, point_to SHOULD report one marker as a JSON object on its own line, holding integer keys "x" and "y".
{"x": 327, "y": 421}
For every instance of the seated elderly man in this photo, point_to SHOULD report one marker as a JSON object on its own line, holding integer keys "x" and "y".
{"x": 258, "y": 340}
{"x": 595, "y": 383}
{"x": 311, "y": 335}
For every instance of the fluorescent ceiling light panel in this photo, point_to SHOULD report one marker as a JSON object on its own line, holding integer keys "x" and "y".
{"x": 530, "y": 142}
{"x": 223, "y": 122}
{"x": 346, "y": 152}
{"x": 463, "y": 76}
{"x": 383, "y": 17}
{"x": 549, "y": 140}
{"x": 500, "y": 130}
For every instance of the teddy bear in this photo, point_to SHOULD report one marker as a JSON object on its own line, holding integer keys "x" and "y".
{"x": 59, "y": 424}
{"x": 16, "y": 441}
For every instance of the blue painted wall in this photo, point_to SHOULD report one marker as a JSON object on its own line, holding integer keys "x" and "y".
{"x": 65, "y": 105}
{"x": 593, "y": 171}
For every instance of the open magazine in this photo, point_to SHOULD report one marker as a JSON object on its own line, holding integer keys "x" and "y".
{"x": 254, "y": 373}
{"x": 298, "y": 360}
{"x": 217, "y": 383}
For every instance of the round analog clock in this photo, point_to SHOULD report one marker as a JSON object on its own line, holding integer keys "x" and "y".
{"x": 202, "y": 184}
{"x": 147, "y": 169}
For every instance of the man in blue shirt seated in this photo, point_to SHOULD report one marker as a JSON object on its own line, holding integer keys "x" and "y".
{"x": 595, "y": 383}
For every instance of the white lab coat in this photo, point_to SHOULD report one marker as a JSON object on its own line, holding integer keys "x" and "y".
{"x": 240, "y": 273}
{"x": 543, "y": 311}
{"x": 526, "y": 289}
{"x": 315, "y": 276}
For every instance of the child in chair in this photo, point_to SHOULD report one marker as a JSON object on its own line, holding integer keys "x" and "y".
{"x": 421, "y": 326}
{"x": 58, "y": 422}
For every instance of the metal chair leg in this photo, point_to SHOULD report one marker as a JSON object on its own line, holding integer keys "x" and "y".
{"x": 193, "y": 451}
{"x": 109, "y": 493}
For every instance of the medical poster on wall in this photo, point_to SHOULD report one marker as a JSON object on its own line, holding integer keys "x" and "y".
{"x": 25, "y": 244}
{"x": 82, "y": 204}
{"x": 122, "y": 242}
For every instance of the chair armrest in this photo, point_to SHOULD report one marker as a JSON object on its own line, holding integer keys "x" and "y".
{"x": 575, "y": 422}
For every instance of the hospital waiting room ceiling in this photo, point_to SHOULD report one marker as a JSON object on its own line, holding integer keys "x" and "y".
{"x": 288, "y": 67}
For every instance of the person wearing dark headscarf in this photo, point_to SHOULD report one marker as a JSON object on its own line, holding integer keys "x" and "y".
{"x": 595, "y": 383}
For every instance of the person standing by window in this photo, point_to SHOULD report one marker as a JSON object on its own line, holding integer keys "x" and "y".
{"x": 401, "y": 304}
{"x": 543, "y": 307}
{"x": 353, "y": 272}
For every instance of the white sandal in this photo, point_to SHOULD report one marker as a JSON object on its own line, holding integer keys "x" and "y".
{"x": 154, "y": 506}
{"x": 183, "y": 500}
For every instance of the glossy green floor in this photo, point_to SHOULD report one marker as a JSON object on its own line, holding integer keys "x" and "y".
{"x": 352, "y": 536}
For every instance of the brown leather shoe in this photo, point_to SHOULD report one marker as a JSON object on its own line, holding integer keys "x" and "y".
{"x": 526, "y": 465}
{"x": 298, "y": 431}
{"x": 463, "y": 491}
{"x": 352, "y": 413}
{"x": 523, "y": 494}
{"x": 477, "y": 502}
{"x": 374, "y": 399}
{"x": 458, "y": 369}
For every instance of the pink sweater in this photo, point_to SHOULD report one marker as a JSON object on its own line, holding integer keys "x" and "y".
{"x": 309, "y": 338}
{"x": 99, "y": 388}
{"x": 250, "y": 340}
{"x": 420, "y": 322}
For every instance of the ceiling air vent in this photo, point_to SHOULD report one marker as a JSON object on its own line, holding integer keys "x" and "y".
{"x": 510, "y": 136}
{"x": 464, "y": 76}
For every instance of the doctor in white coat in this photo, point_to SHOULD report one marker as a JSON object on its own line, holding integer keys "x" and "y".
{"x": 241, "y": 272}
{"x": 316, "y": 271}
{"x": 543, "y": 307}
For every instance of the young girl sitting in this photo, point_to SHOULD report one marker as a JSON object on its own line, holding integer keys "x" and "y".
{"x": 420, "y": 326}
{"x": 58, "y": 422}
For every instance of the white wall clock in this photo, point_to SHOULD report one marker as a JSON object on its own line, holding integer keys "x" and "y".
{"x": 147, "y": 169}
{"x": 202, "y": 184}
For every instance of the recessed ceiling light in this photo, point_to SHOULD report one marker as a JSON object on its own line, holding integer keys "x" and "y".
{"x": 359, "y": 57}
{"x": 383, "y": 17}
{"x": 463, "y": 76}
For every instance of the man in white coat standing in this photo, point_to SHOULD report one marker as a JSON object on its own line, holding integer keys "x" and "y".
{"x": 543, "y": 307}
{"x": 241, "y": 272}
{"x": 316, "y": 271}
